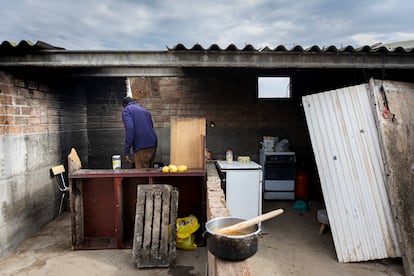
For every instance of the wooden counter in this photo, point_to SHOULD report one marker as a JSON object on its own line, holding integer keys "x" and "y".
{"x": 103, "y": 203}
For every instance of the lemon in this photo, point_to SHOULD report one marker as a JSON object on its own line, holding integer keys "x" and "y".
{"x": 173, "y": 168}
{"x": 165, "y": 169}
{"x": 182, "y": 168}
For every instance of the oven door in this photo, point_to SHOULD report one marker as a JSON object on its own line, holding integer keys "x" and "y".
{"x": 278, "y": 171}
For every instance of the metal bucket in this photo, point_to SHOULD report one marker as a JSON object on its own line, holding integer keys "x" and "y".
{"x": 231, "y": 247}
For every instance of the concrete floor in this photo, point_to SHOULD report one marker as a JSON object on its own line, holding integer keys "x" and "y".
{"x": 49, "y": 253}
{"x": 290, "y": 244}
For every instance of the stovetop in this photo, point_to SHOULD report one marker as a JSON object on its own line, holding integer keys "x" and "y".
{"x": 235, "y": 165}
{"x": 277, "y": 152}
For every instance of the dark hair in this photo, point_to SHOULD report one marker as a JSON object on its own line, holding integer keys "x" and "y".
{"x": 126, "y": 101}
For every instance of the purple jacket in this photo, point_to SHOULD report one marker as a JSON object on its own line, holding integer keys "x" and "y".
{"x": 139, "y": 128}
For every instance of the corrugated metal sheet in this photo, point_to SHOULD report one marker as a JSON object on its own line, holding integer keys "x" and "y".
{"x": 409, "y": 44}
{"x": 26, "y": 45}
{"x": 398, "y": 47}
{"x": 347, "y": 152}
{"x": 297, "y": 48}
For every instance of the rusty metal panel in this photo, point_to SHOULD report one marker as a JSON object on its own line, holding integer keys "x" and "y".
{"x": 394, "y": 102}
{"x": 347, "y": 151}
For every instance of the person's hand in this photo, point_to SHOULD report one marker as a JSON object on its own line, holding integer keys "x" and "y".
{"x": 127, "y": 159}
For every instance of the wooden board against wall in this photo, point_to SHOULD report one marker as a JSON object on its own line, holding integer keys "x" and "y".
{"x": 187, "y": 142}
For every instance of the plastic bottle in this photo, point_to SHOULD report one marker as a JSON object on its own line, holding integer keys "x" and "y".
{"x": 116, "y": 162}
{"x": 229, "y": 156}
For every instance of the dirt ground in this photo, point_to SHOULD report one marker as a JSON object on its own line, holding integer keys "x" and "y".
{"x": 290, "y": 244}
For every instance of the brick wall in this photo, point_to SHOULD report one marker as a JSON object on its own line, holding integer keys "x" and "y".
{"x": 29, "y": 107}
{"x": 241, "y": 120}
{"x": 229, "y": 102}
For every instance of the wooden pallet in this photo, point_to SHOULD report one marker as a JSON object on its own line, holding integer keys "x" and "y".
{"x": 154, "y": 243}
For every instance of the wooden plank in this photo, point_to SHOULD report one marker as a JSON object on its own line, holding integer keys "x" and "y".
{"x": 58, "y": 170}
{"x": 154, "y": 237}
{"x": 186, "y": 141}
{"x": 164, "y": 223}
{"x": 132, "y": 173}
{"x": 170, "y": 226}
{"x": 149, "y": 212}
{"x": 139, "y": 225}
{"x": 76, "y": 200}
{"x": 74, "y": 162}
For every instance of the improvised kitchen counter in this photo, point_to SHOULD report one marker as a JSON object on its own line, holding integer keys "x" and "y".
{"x": 103, "y": 203}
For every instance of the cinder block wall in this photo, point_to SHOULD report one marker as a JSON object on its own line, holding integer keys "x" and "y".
{"x": 37, "y": 121}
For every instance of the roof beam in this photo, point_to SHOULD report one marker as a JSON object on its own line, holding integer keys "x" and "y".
{"x": 124, "y": 60}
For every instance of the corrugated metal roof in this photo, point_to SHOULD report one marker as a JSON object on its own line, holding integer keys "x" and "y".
{"x": 297, "y": 48}
{"x": 409, "y": 44}
{"x": 25, "y": 45}
{"x": 398, "y": 47}
{"x": 174, "y": 61}
{"x": 348, "y": 155}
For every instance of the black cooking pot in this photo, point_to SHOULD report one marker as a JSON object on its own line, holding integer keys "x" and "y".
{"x": 231, "y": 247}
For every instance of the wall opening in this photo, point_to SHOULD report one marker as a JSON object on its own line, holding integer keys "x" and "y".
{"x": 273, "y": 87}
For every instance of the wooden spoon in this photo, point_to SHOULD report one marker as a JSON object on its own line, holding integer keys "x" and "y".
{"x": 235, "y": 228}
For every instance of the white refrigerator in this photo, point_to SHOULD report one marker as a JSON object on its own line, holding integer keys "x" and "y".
{"x": 243, "y": 188}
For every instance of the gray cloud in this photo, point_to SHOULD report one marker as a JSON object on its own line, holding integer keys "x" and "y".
{"x": 152, "y": 25}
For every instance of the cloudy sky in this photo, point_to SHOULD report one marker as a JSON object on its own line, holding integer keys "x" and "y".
{"x": 157, "y": 24}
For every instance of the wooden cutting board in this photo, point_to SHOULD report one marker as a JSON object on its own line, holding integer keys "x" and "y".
{"x": 187, "y": 142}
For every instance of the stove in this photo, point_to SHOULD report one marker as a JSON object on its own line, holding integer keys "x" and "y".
{"x": 278, "y": 174}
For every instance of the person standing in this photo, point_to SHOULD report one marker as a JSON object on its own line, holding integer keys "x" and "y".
{"x": 139, "y": 134}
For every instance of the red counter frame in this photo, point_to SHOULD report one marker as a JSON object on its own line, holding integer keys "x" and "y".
{"x": 103, "y": 202}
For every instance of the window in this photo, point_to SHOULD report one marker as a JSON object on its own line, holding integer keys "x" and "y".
{"x": 273, "y": 87}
